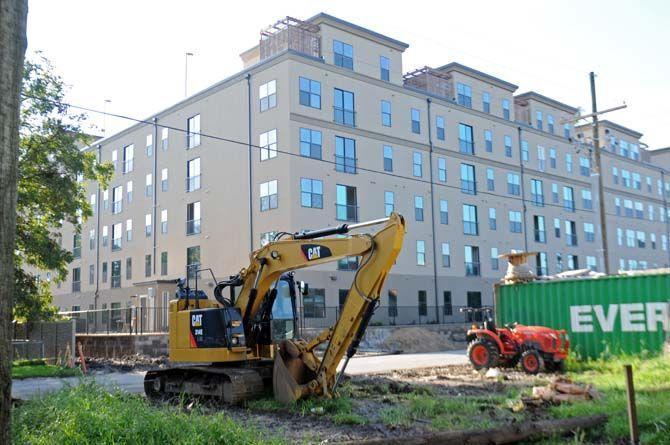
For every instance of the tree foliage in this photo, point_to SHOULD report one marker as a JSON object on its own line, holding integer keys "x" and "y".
{"x": 52, "y": 169}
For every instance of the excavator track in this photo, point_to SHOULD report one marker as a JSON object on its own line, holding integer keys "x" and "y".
{"x": 230, "y": 385}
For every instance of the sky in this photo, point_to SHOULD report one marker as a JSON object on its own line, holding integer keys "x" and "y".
{"x": 132, "y": 53}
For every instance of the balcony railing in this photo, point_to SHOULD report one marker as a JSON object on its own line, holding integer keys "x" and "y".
{"x": 116, "y": 281}
{"x": 468, "y": 187}
{"x": 116, "y": 244}
{"x": 192, "y": 183}
{"x": 345, "y": 164}
{"x": 193, "y": 227}
{"x": 540, "y": 236}
{"x": 127, "y": 166}
{"x": 571, "y": 239}
{"x": 76, "y": 286}
{"x": 346, "y": 212}
{"x": 467, "y": 147}
{"x": 472, "y": 268}
{"x": 117, "y": 207}
{"x": 344, "y": 116}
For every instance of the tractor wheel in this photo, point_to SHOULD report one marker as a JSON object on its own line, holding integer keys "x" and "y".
{"x": 552, "y": 366}
{"x": 483, "y": 353}
{"x": 531, "y": 361}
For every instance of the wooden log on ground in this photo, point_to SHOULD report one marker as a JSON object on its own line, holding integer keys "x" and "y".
{"x": 500, "y": 435}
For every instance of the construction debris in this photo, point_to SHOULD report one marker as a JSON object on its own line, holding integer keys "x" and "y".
{"x": 562, "y": 390}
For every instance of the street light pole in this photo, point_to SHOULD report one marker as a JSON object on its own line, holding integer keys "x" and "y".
{"x": 186, "y": 55}
{"x": 104, "y": 116}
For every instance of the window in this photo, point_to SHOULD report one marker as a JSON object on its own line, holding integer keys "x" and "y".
{"x": 447, "y": 308}
{"x": 625, "y": 178}
{"x": 649, "y": 187}
{"x": 634, "y": 152}
{"x": 129, "y": 230}
{"x": 347, "y": 263}
{"x": 164, "y": 138}
{"x": 164, "y": 221}
{"x": 91, "y": 274}
{"x": 416, "y": 120}
{"x": 559, "y": 262}
{"x": 493, "y": 223}
{"x": 550, "y": 123}
{"x": 192, "y": 260}
{"x": 91, "y": 239}
{"x": 388, "y": 158}
{"x": 652, "y": 240}
{"x": 148, "y": 185}
{"x": 508, "y": 146}
{"x": 384, "y": 68}
{"x": 193, "y": 175}
{"x": 310, "y": 143}
{"x": 76, "y": 279}
{"x": 540, "y": 230}
{"x": 149, "y": 148}
{"x": 310, "y": 93}
{"x": 568, "y": 162}
{"x": 619, "y": 236}
{"x": 393, "y": 303}
{"x": 573, "y": 262}
{"x": 446, "y": 255}
{"x": 566, "y": 130}
{"x": 591, "y": 263}
{"x": 129, "y": 268}
{"x": 584, "y": 166}
{"x": 470, "y": 223}
{"x": 650, "y": 212}
{"x": 268, "y": 144}
{"x": 346, "y": 205}
{"x": 115, "y": 159}
{"x": 105, "y": 237}
{"x": 465, "y": 140}
{"x": 568, "y": 199}
{"x": 439, "y": 124}
{"x": 104, "y": 272}
{"x": 524, "y": 151}
{"x": 628, "y": 208}
{"x": 442, "y": 169}
{"x": 386, "y": 113}
{"x": 389, "y": 205}
{"x": 311, "y": 193}
{"x": 417, "y": 164}
{"x": 345, "y": 154}
{"x": 495, "y": 263}
{"x": 423, "y": 303}
{"x": 343, "y": 110}
{"x": 418, "y": 208}
{"x": 314, "y": 304}
{"x": 537, "y": 192}
{"x": 570, "y": 233}
{"x": 268, "y": 193}
{"x": 623, "y": 148}
{"x": 76, "y": 245}
{"x": 639, "y": 210}
{"x": 552, "y": 157}
{"x": 490, "y": 180}
{"x": 513, "y": 184}
{"x": 129, "y": 191}
{"x": 267, "y": 94}
{"x": 147, "y": 225}
{"x": 488, "y": 140}
{"x": 554, "y": 193}
{"x": 506, "y": 109}
{"x": 637, "y": 182}
{"x": 193, "y": 218}
{"x": 117, "y": 236}
{"x": 93, "y": 199}
{"x": 147, "y": 265}
{"x": 193, "y": 131}
{"x": 444, "y": 212}
{"x": 486, "y": 102}
{"x": 538, "y": 119}
{"x": 471, "y": 261}
{"x": 267, "y": 237}
{"x": 589, "y": 232}
{"x": 468, "y": 184}
{"x": 128, "y": 156}
{"x": 464, "y": 94}
{"x": 164, "y": 263}
{"x": 541, "y": 259}
{"x": 515, "y": 222}
{"x": 116, "y": 273}
{"x": 343, "y": 54}
{"x": 105, "y": 199}
{"x": 541, "y": 159}
{"x": 420, "y": 253}
{"x": 586, "y": 199}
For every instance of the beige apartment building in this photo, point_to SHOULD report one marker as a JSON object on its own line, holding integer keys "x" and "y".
{"x": 322, "y": 127}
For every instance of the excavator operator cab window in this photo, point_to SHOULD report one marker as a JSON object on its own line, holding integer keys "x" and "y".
{"x": 283, "y": 313}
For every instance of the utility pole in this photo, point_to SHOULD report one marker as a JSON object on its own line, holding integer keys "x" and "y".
{"x": 601, "y": 193}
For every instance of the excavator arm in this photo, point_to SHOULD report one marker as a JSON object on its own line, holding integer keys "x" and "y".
{"x": 298, "y": 372}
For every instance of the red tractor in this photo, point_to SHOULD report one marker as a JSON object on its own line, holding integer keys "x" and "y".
{"x": 532, "y": 346}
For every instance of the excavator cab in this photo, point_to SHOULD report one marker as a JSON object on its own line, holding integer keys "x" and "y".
{"x": 284, "y": 324}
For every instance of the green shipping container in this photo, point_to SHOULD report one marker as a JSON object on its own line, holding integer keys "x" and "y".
{"x": 614, "y": 314}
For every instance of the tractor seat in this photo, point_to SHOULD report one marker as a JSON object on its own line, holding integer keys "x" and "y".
{"x": 490, "y": 325}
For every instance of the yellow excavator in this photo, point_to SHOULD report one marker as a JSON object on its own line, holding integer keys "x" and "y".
{"x": 232, "y": 347}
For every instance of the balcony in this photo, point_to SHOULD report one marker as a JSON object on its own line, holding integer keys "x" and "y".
{"x": 346, "y": 212}
{"x": 290, "y": 34}
{"x": 193, "y": 227}
{"x": 344, "y": 116}
{"x": 192, "y": 183}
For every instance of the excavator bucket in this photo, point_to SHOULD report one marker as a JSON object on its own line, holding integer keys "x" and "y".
{"x": 291, "y": 375}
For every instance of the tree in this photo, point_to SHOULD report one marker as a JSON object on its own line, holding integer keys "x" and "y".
{"x": 13, "y": 42}
{"x": 52, "y": 168}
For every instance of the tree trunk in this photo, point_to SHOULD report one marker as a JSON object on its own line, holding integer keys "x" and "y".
{"x": 13, "y": 42}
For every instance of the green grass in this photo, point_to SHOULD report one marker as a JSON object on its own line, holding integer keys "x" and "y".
{"x": 25, "y": 369}
{"x": 89, "y": 413}
{"x": 652, "y": 389}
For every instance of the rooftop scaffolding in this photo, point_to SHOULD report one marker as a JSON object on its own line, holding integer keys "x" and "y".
{"x": 290, "y": 33}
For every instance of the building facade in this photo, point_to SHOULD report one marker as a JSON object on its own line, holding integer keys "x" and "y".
{"x": 322, "y": 127}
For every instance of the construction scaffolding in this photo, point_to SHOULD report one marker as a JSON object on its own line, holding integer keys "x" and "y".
{"x": 430, "y": 80}
{"x": 290, "y": 33}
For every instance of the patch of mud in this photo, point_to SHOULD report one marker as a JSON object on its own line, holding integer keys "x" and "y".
{"x": 137, "y": 362}
{"x": 409, "y": 339}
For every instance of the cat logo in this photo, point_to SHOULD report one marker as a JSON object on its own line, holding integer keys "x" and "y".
{"x": 196, "y": 320}
{"x": 315, "y": 252}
